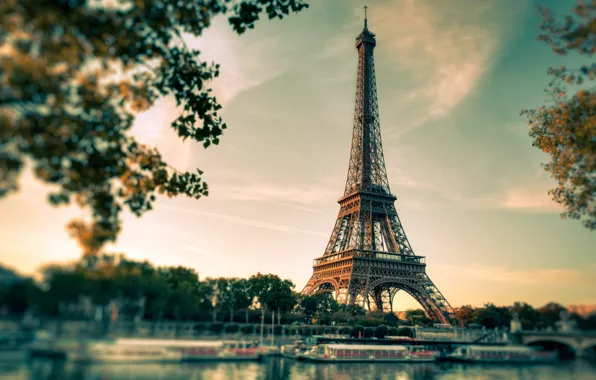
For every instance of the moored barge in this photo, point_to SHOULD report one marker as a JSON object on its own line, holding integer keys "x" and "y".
{"x": 368, "y": 353}
{"x": 164, "y": 351}
{"x": 501, "y": 354}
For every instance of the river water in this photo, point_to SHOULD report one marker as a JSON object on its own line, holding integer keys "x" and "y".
{"x": 286, "y": 369}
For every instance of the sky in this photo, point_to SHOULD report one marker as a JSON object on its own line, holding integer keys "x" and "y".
{"x": 452, "y": 77}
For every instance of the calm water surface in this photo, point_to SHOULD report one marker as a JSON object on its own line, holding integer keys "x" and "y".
{"x": 285, "y": 369}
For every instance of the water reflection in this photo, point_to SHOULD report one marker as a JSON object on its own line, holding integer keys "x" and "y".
{"x": 284, "y": 369}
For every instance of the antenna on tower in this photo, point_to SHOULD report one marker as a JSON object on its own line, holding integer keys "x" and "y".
{"x": 365, "y": 18}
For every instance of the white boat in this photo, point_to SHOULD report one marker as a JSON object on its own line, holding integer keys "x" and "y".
{"x": 158, "y": 350}
{"x": 501, "y": 354}
{"x": 219, "y": 350}
{"x": 118, "y": 352}
{"x": 368, "y": 353}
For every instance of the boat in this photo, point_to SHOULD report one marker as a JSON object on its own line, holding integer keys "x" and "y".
{"x": 13, "y": 347}
{"x": 48, "y": 346}
{"x": 501, "y": 354}
{"x": 292, "y": 351}
{"x": 368, "y": 353}
{"x": 164, "y": 351}
{"x": 268, "y": 351}
{"x": 119, "y": 352}
{"x": 399, "y": 338}
{"x": 218, "y": 350}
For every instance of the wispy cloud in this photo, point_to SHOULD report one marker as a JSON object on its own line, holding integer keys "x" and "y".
{"x": 242, "y": 67}
{"x": 531, "y": 196}
{"x": 241, "y": 58}
{"x": 242, "y": 185}
{"x": 203, "y": 251}
{"x": 398, "y": 177}
{"x": 527, "y": 200}
{"x": 527, "y": 277}
{"x": 248, "y": 222}
{"x": 295, "y": 195}
{"x": 290, "y": 205}
{"x": 521, "y": 199}
{"x": 445, "y": 47}
{"x": 153, "y": 127}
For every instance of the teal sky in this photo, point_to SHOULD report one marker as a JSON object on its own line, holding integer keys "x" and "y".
{"x": 452, "y": 77}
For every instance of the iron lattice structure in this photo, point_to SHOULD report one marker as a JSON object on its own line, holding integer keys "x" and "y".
{"x": 368, "y": 258}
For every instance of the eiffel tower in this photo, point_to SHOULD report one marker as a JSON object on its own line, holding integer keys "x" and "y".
{"x": 368, "y": 258}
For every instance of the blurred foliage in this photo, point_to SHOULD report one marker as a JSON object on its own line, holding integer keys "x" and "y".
{"x": 417, "y": 317}
{"x": 75, "y": 73}
{"x": 271, "y": 293}
{"x": 321, "y": 306}
{"x": 566, "y": 129}
{"x": 141, "y": 291}
{"x": 464, "y": 315}
{"x": 391, "y": 319}
{"x": 96, "y": 285}
{"x": 490, "y": 316}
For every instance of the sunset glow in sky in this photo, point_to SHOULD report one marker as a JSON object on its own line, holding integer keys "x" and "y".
{"x": 452, "y": 77}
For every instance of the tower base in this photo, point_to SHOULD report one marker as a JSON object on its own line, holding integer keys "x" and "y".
{"x": 372, "y": 279}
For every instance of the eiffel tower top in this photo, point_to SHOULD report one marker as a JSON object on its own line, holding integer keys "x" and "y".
{"x": 367, "y": 171}
{"x": 366, "y": 35}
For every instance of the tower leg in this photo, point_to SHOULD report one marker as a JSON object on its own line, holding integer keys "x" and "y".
{"x": 392, "y": 293}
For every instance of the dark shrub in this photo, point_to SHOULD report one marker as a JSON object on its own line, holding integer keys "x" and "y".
{"x": 391, "y": 319}
{"x": 404, "y": 331}
{"x": 394, "y": 331}
{"x": 381, "y": 331}
{"x": 357, "y": 330}
{"x": 217, "y": 327}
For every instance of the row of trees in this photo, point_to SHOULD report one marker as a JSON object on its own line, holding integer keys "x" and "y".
{"x": 113, "y": 285}
{"x": 107, "y": 286}
{"x": 547, "y": 316}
